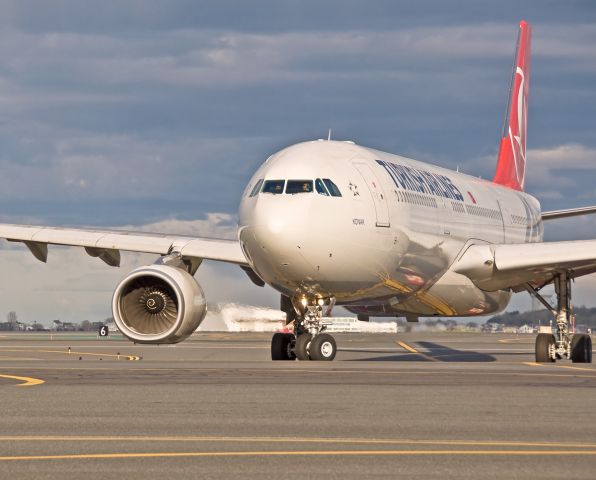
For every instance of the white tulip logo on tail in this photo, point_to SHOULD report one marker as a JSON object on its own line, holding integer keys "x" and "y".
{"x": 517, "y": 129}
{"x": 511, "y": 163}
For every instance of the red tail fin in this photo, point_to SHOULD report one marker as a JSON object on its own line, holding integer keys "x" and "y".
{"x": 511, "y": 164}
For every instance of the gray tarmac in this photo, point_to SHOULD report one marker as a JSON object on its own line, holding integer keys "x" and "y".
{"x": 416, "y": 405}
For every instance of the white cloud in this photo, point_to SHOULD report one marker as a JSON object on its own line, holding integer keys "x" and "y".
{"x": 57, "y": 87}
{"x": 118, "y": 166}
{"x": 216, "y": 225}
{"x": 195, "y": 58}
{"x": 550, "y": 171}
{"x": 552, "y": 167}
{"x": 570, "y": 156}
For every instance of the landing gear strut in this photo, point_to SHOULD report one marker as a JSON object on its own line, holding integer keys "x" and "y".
{"x": 561, "y": 343}
{"x": 307, "y": 341}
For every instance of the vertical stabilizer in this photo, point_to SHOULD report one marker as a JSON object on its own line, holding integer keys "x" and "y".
{"x": 511, "y": 163}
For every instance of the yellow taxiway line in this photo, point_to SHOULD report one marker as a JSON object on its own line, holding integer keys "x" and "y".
{"x": 27, "y": 381}
{"x": 305, "y": 453}
{"x": 468, "y": 447}
{"x": 411, "y": 349}
{"x": 522, "y": 340}
{"x": 314, "y": 440}
{"x": 68, "y": 352}
{"x": 552, "y": 364}
{"x": 526, "y": 373}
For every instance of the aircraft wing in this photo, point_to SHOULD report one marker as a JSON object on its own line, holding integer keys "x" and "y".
{"x": 512, "y": 266}
{"x": 107, "y": 244}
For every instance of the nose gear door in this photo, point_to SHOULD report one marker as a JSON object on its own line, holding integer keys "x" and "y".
{"x": 377, "y": 193}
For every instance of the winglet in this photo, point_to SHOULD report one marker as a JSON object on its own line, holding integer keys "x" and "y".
{"x": 511, "y": 163}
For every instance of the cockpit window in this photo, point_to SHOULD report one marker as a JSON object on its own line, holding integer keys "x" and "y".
{"x": 274, "y": 186}
{"x": 299, "y": 186}
{"x": 332, "y": 187}
{"x": 321, "y": 187}
{"x": 256, "y": 188}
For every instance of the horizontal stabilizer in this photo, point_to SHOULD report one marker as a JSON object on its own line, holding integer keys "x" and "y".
{"x": 570, "y": 212}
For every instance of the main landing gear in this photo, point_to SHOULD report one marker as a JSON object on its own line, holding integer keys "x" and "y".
{"x": 561, "y": 343}
{"x": 308, "y": 340}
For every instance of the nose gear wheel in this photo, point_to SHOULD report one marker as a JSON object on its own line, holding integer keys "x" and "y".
{"x": 307, "y": 342}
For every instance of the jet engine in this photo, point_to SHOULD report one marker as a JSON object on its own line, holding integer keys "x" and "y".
{"x": 158, "y": 304}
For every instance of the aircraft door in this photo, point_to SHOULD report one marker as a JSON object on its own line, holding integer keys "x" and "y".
{"x": 377, "y": 193}
{"x": 506, "y": 220}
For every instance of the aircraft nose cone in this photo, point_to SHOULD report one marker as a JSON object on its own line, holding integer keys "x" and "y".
{"x": 272, "y": 240}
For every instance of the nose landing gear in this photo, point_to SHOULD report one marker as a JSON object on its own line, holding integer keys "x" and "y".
{"x": 561, "y": 344}
{"x": 307, "y": 342}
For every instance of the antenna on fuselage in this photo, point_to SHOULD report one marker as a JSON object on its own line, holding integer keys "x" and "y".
{"x": 329, "y": 135}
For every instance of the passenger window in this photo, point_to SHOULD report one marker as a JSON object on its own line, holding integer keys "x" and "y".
{"x": 274, "y": 186}
{"x": 321, "y": 187}
{"x": 256, "y": 188}
{"x": 332, "y": 187}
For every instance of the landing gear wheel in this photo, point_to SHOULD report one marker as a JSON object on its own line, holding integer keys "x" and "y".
{"x": 581, "y": 348}
{"x": 545, "y": 344}
{"x": 301, "y": 349}
{"x": 323, "y": 347}
{"x": 281, "y": 347}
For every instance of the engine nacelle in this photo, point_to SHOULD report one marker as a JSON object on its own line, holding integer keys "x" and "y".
{"x": 158, "y": 304}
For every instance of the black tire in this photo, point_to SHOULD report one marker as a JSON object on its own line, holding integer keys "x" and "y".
{"x": 581, "y": 348}
{"x": 281, "y": 347}
{"x": 301, "y": 349}
{"x": 323, "y": 348}
{"x": 543, "y": 346}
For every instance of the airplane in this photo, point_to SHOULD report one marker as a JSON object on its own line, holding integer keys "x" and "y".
{"x": 329, "y": 223}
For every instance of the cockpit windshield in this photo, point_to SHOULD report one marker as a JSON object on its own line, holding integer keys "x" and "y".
{"x": 274, "y": 186}
{"x": 257, "y": 188}
{"x": 322, "y": 186}
{"x": 321, "y": 190}
{"x": 299, "y": 186}
{"x": 332, "y": 187}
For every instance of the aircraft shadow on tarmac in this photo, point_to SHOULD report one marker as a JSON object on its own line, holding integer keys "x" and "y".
{"x": 432, "y": 352}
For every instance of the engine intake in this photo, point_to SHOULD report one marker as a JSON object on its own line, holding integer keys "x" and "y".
{"x": 158, "y": 304}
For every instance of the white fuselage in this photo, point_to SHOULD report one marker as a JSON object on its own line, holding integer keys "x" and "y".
{"x": 386, "y": 245}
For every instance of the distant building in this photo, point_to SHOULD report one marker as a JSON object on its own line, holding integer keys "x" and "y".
{"x": 58, "y": 326}
{"x": 112, "y": 328}
{"x": 12, "y": 327}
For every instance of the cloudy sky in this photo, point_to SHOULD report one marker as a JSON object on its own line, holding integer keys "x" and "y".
{"x": 154, "y": 114}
